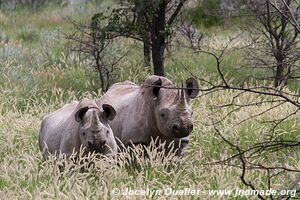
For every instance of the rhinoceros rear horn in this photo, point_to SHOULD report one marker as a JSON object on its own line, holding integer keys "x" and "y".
{"x": 192, "y": 88}
{"x": 109, "y": 111}
{"x": 80, "y": 113}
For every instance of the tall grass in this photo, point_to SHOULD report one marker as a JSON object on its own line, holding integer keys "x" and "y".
{"x": 24, "y": 174}
{"x": 38, "y": 78}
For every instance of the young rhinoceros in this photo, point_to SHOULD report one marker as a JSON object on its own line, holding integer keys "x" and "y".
{"x": 78, "y": 124}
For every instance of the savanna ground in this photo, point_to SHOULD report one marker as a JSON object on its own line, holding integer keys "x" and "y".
{"x": 39, "y": 74}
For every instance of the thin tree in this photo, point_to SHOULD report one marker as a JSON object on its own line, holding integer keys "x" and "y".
{"x": 275, "y": 41}
{"x": 93, "y": 42}
{"x": 148, "y": 21}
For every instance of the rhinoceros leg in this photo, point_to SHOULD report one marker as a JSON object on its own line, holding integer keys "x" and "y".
{"x": 182, "y": 148}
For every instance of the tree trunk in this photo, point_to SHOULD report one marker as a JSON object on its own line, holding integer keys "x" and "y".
{"x": 145, "y": 34}
{"x": 158, "y": 39}
{"x": 279, "y": 77}
{"x": 147, "y": 51}
{"x": 158, "y": 58}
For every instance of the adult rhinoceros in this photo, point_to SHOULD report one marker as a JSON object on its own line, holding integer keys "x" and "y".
{"x": 78, "y": 124}
{"x": 154, "y": 109}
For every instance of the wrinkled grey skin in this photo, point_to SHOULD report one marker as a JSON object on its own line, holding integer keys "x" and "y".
{"x": 78, "y": 124}
{"x": 146, "y": 112}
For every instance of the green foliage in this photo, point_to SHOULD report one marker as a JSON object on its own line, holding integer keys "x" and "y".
{"x": 120, "y": 22}
{"x": 205, "y": 13}
{"x": 150, "y": 22}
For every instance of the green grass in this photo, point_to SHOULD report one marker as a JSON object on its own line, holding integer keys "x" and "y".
{"x": 39, "y": 74}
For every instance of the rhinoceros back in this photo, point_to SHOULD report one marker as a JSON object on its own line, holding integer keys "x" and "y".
{"x": 52, "y": 128}
{"x": 122, "y": 96}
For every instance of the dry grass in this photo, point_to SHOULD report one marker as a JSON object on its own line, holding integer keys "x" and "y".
{"x": 25, "y": 175}
{"x": 35, "y": 82}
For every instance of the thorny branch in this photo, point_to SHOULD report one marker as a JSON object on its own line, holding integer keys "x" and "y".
{"x": 246, "y": 158}
{"x": 288, "y": 14}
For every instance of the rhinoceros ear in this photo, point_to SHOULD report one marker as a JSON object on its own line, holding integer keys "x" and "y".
{"x": 156, "y": 87}
{"x": 192, "y": 87}
{"x": 109, "y": 111}
{"x": 80, "y": 113}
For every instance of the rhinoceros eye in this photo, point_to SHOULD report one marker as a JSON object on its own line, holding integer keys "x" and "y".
{"x": 83, "y": 133}
{"x": 163, "y": 113}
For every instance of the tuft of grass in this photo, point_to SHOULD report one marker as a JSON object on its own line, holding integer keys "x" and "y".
{"x": 28, "y": 35}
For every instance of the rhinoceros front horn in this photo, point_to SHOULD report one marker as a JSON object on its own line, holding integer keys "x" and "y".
{"x": 95, "y": 122}
{"x": 181, "y": 105}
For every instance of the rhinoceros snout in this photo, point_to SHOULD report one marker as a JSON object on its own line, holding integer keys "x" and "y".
{"x": 182, "y": 131}
{"x": 175, "y": 127}
{"x": 96, "y": 145}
